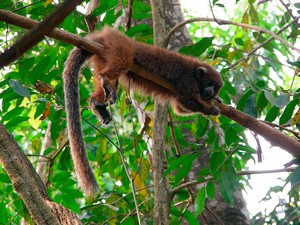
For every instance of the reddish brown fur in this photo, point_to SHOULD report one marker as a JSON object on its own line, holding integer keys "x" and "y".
{"x": 122, "y": 52}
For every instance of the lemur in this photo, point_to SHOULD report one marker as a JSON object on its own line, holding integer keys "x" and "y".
{"x": 196, "y": 82}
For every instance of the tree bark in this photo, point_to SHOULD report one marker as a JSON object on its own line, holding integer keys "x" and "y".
{"x": 219, "y": 210}
{"x": 161, "y": 184}
{"x": 24, "y": 179}
{"x": 29, "y": 185}
{"x": 37, "y": 33}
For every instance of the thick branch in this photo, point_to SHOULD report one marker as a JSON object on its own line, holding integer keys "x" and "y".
{"x": 38, "y": 32}
{"x": 75, "y": 40}
{"x": 29, "y": 185}
{"x": 275, "y": 137}
{"x": 287, "y": 143}
{"x": 24, "y": 179}
{"x": 58, "y": 34}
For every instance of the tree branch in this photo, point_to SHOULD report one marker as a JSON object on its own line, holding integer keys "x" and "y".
{"x": 228, "y": 22}
{"x": 24, "y": 179}
{"x": 37, "y": 33}
{"x": 29, "y": 185}
{"x": 275, "y": 137}
{"x": 240, "y": 173}
{"x": 289, "y": 11}
{"x": 264, "y": 43}
{"x": 289, "y": 144}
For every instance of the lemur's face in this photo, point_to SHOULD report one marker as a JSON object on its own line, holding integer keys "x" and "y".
{"x": 209, "y": 82}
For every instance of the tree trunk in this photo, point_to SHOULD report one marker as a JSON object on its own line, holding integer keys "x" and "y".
{"x": 161, "y": 184}
{"x": 217, "y": 209}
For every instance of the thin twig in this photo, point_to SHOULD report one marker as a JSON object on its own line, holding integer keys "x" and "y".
{"x": 178, "y": 152}
{"x": 214, "y": 215}
{"x": 132, "y": 211}
{"x": 129, "y": 14}
{"x": 212, "y": 12}
{"x": 240, "y": 173}
{"x": 297, "y": 134}
{"x": 262, "y": 2}
{"x": 264, "y": 43}
{"x": 28, "y": 5}
{"x": 120, "y": 150}
{"x": 289, "y": 11}
{"x": 259, "y": 149}
{"x": 184, "y": 210}
{"x": 228, "y": 22}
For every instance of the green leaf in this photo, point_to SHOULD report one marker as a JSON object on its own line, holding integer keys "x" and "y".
{"x": 198, "y": 48}
{"x": 190, "y": 218}
{"x": 297, "y": 63}
{"x": 175, "y": 164}
{"x": 70, "y": 202}
{"x": 39, "y": 69}
{"x": 242, "y": 102}
{"x": 202, "y": 127}
{"x": 216, "y": 159}
{"x": 204, "y": 172}
{"x": 12, "y": 113}
{"x": 61, "y": 177}
{"x": 16, "y": 122}
{"x": 39, "y": 110}
{"x": 288, "y": 112}
{"x": 239, "y": 41}
{"x": 262, "y": 102}
{"x": 272, "y": 114}
{"x": 297, "y": 5}
{"x": 139, "y": 29}
{"x": 253, "y": 14}
{"x": 25, "y": 67}
{"x": 220, "y": 5}
{"x": 69, "y": 24}
{"x": 3, "y": 213}
{"x": 270, "y": 97}
{"x": 231, "y": 136}
{"x": 282, "y": 100}
{"x": 5, "y": 4}
{"x": 199, "y": 202}
{"x": 295, "y": 177}
{"x": 185, "y": 168}
{"x": 250, "y": 106}
{"x": 227, "y": 181}
{"x": 4, "y": 178}
{"x": 19, "y": 89}
{"x": 141, "y": 10}
{"x": 210, "y": 190}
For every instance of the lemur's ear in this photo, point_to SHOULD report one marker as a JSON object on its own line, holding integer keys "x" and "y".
{"x": 201, "y": 70}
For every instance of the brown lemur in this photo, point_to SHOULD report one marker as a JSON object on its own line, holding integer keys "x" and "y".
{"x": 196, "y": 82}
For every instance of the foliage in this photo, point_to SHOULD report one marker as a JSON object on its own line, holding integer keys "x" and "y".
{"x": 265, "y": 85}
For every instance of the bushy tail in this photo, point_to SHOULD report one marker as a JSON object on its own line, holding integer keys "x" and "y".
{"x": 82, "y": 167}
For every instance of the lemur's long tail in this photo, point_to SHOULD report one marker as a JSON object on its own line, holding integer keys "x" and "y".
{"x": 82, "y": 167}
